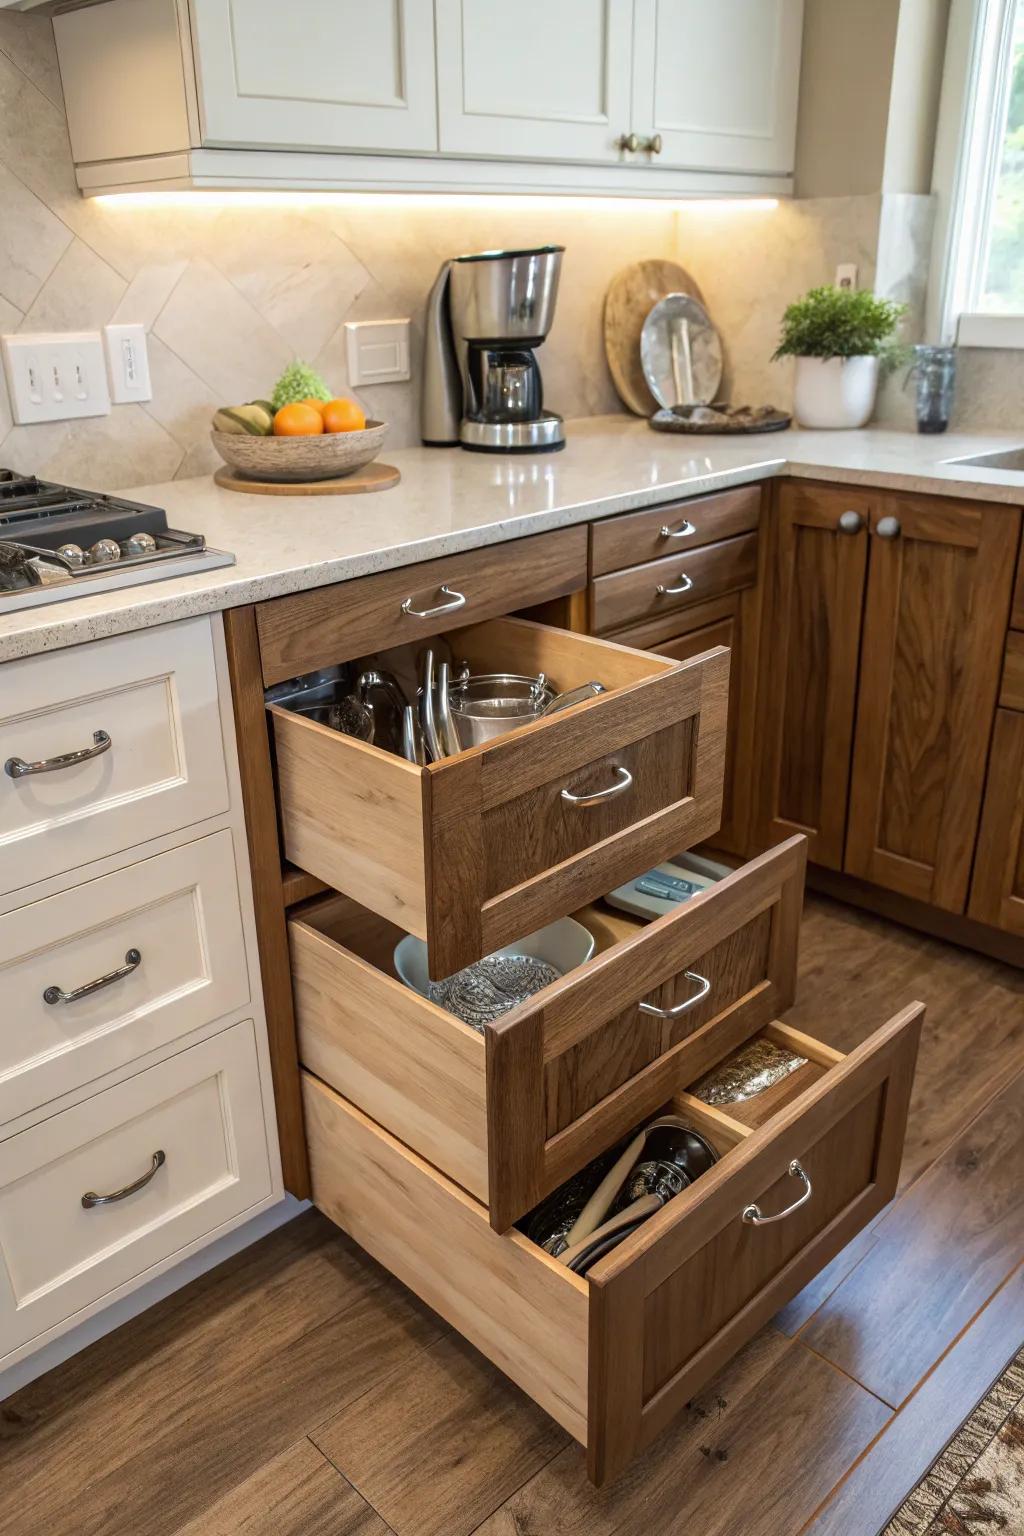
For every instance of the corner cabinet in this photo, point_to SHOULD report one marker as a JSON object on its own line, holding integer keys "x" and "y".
{"x": 631, "y": 97}
{"x": 885, "y": 619}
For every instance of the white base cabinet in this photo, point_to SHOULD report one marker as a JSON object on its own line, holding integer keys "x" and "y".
{"x": 94, "y": 1197}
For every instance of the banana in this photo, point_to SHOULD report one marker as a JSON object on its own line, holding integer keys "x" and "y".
{"x": 254, "y": 419}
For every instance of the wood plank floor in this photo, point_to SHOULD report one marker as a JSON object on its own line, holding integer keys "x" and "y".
{"x": 299, "y": 1391}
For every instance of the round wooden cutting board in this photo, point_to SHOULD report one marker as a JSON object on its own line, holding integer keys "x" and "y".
{"x": 631, "y": 296}
{"x": 375, "y": 477}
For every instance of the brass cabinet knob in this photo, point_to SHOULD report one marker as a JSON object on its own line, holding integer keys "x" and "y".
{"x": 652, "y": 145}
{"x": 628, "y": 141}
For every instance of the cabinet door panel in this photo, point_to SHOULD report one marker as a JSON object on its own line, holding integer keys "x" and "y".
{"x": 997, "y": 889}
{"x": 311, "y": 76}
{"x": 934, "y": 626}
{"x": 719, "y": 82}
{"x": 534, "y": 80}
{"x": 810, "y": 644}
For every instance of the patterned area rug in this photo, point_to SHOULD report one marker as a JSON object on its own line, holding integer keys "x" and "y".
{"x": 976, "y": 1488}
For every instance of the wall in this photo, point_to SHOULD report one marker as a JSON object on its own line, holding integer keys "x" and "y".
{"x": 845, "y": 78}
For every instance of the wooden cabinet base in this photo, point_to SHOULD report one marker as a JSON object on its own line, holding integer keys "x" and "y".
{"x": 614, "y": 1357}
{"x": 951, "y": 927}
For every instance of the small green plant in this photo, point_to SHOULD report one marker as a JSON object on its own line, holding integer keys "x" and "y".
{"x": 298, "y": 382}
{"x": 841, "y": 322}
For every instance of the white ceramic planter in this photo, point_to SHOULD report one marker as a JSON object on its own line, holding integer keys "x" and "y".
{"x": 835, "y": 392}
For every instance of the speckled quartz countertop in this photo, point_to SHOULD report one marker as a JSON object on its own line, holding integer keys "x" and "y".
{"x": 449, "y": 501}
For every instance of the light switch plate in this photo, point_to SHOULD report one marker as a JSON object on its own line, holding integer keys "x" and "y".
{"x": 56, "y": 376}
{"x": 128, "y": 363}
{"x": 377, "y": 351}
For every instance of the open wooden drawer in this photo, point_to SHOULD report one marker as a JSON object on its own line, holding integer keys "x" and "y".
{"x": 615, "y": 1356}
{"x": 475, "y": 851}
{"x": 512, "y": 1112}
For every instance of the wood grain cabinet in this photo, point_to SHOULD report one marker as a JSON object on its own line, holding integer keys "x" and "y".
{"x": 679, "y": 579}
{"x": 881, "y": 652}
{"x": 615, "y": 1356}
{"x": 997, "y": 885}
{"x": 808, "y": 663}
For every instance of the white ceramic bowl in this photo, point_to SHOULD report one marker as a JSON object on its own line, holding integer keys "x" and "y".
{"x": 328, "y": 456}
{"x": 565, "y": 945}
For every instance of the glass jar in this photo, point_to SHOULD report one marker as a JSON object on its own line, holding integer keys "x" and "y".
{"x": 935, "y": 369}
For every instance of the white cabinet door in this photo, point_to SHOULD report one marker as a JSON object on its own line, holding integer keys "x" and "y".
{"x": 540, "y": 79}
{"x": 310, "y": 75}
{"x": 719, "y": 82}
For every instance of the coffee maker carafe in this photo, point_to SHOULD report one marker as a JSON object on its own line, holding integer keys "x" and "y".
{"x": 486, "y": 316}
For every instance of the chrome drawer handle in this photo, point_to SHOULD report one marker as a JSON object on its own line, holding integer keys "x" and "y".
{"x": 623, "y": 779}
{"x": 458, "y": 600}
{"x": 132, "y": 961}
{"x": 17, "y": 768}
{"x": 703, "y": 988}
{"x": 91, "y": 1198}
{"x": 752, "y": 1213}
{"x": 679, "y": 533}
{"x": 685, "y": 583}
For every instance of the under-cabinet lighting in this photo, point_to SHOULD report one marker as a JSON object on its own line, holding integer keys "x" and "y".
{"x": 198, "y": 198}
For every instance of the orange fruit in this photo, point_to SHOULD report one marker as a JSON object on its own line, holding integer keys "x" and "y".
{"x": 318, "y": 405}
{"x": 298, "y": 420}
{"x": 344, "y": 416}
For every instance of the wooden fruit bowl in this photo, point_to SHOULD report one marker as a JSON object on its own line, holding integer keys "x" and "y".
{"x": 326, "y": 457}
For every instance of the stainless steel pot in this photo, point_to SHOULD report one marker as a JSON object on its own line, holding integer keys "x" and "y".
{"x": 488, "y": 704}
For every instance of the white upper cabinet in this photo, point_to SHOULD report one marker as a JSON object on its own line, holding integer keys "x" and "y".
{"x": 310, "y": 75}
{"x": 538, "y": 79}
{"x": 718, "y": 82}
{"x": 634, "y": 97}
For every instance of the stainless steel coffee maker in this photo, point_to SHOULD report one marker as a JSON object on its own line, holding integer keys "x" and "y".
{"x": 486, "y": 316}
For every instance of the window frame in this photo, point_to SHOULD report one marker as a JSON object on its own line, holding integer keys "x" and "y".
{"x": 972, "y": 111}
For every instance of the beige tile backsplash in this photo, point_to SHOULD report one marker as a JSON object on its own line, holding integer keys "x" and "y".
{"x": 231, "y": 293}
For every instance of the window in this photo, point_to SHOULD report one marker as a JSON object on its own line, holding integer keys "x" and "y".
{"x": 981, "y": 207}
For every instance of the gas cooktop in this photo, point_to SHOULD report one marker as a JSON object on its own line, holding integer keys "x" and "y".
{"x": 58, "y": 542}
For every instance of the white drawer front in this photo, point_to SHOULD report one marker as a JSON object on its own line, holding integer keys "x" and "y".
{"x": 202, "y": 1109}
{"x": 154, "y": 693}
{"x": 179, "y": 912}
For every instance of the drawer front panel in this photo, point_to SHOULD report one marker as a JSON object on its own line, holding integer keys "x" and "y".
{"x": 202, "y": 1110}
{"x": 514, "y": 1112}
{"x": 631, "y": 597}
{"x": 316, "y": 629}
{"x": 154, "y": 695}
{"x": 473, "y": 852}
{"x": 534, "y": 831}
{"x": 1011, "y": 694}
{"x": 673, "y": 529}
{"x": 179, "y": 912}
{"x": 672, "y": 1304}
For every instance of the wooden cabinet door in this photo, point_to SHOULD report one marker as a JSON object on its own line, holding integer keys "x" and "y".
{"x": 810, "y": 644}
{"x": 997, "y": 888}
{"x": 935, "y": 621}
{"x": 533, "y": 80}
{"x": 719, "y": 82}
{"x": 312, "y": 76}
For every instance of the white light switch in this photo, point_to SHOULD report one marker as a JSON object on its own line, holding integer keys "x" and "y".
{"x": 377, "y": 351}
{"x": 55, "y": 377}
{"x": 128, "y": 363}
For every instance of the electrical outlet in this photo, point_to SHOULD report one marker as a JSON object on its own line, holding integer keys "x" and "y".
{"x": 55, "y": 377}
{"x": 128, "y": 363}
{"x": 377, "y": 351}
{"x": 846, "y": 274}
